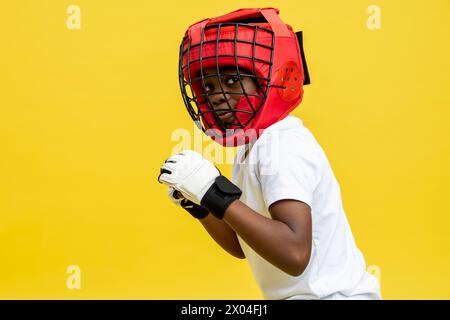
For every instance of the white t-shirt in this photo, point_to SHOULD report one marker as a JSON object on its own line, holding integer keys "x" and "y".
{"x": 286, "y": 162}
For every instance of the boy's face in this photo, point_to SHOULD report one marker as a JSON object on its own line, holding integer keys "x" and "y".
{"x": 232, "y": 88}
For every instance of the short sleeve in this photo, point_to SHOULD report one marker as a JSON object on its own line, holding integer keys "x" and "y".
{"x": 288, "y": 168}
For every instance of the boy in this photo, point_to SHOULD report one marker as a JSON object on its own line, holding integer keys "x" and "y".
{"x": 283, "y": 211}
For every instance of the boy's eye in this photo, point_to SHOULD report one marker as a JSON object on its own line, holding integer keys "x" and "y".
{"x": 228, "y": 81}
{"x": 232, "y": 80}
{"x": 208, "y": 88}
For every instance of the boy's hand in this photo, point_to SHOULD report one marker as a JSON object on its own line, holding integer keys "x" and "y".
{"x": 175, "y": 196}
{"x": 194, "y": 209}
{"x": 199, "y": 181}
{"x": 189, "y": 173}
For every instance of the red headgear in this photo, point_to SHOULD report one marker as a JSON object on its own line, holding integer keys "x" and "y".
{"x": 258, "y": 45}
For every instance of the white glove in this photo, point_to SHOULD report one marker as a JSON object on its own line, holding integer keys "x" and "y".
{"x": 171, "y": 193}
{"x": 195, "y": 210}
{"x": 189, "y": 173}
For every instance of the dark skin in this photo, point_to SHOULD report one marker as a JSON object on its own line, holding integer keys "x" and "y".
{"x": 285, "y": 240}
{"x": 230, "y": 84}
{"x": 290, "y": 229}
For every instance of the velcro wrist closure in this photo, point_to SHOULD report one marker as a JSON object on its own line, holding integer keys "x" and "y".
{"x": 220, "y": 195}
{"x": 194, "y": 209}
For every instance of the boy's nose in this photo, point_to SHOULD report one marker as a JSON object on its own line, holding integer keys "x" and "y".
{"x": 220, "y": 99}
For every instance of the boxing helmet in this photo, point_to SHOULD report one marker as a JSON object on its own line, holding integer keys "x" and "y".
{"x": 253, "y": 43}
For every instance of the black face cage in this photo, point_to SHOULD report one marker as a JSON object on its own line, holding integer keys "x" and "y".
{"x": 193, "y": 101}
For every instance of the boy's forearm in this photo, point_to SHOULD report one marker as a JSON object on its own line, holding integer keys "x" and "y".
{"x": 271, "y": 239}
{"x": 223, "y": 235}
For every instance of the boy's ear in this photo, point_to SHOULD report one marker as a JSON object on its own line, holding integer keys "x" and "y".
{"x": 302, "y": 52}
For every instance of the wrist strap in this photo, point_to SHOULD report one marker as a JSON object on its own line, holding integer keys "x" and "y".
{"x": 194, "y": 209}
{"x": 220, "y": 195}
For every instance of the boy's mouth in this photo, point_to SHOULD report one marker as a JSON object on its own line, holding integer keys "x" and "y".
{"x": 225, "y": 115}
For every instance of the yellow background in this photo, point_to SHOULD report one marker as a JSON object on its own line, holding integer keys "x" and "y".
{"x": 86, "y": 118}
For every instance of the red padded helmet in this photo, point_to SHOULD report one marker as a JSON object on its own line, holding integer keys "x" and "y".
{"x": 252, "y": 43}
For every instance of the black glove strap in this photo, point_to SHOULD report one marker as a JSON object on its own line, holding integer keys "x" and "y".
{"x": 220, "y": 195}
{"x": 194, "y": 209}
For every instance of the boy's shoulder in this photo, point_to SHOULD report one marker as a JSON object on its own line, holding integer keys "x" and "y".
{"x": 287, "y": 138}
{"x": 288, "y": 131}
{"x": 290, "y": 122}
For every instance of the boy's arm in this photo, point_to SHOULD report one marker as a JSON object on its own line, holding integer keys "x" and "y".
{"x": 223, "y": 235}
{"x": 285, "y": 241}
{"x": 219, "y": 230}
